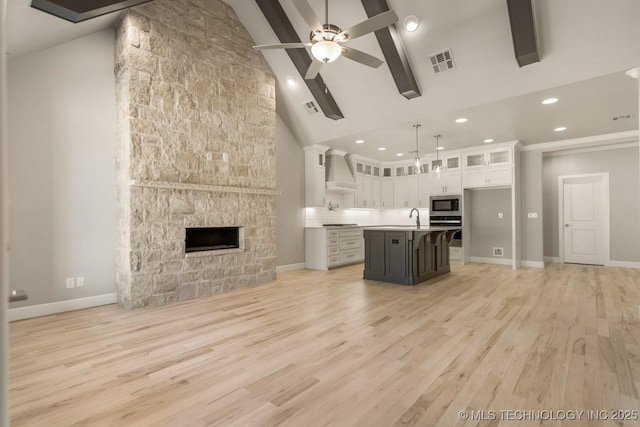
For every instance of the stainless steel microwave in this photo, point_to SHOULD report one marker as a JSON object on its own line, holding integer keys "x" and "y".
{"x": 445, "y": 205}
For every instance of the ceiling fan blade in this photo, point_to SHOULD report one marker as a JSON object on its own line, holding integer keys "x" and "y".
{"x": 282, "y": 46}
{"x": 313, "y": 70}
{"x": 361, "y": 57}
{"x": 370, "y": 25}
{"x": 306, "y": 11}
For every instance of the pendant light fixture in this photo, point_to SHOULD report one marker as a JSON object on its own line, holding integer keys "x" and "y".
{"x": 417, "y": 163}
{"x": 438, "y": 167}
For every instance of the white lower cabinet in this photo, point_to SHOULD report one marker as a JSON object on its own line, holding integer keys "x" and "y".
{"x": 333, "y": 247}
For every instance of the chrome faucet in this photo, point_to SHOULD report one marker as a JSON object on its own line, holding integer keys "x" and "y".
{"x": 417, "y": 216}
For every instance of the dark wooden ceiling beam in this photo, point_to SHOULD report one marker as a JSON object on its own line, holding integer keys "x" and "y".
{"x": 285, "y": 32}
{"x": 80, "y": 10}
{"x": 523, "y": 31}
{"x": 393, "y": 51}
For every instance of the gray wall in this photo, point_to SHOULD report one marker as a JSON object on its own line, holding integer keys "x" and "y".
{"x": 622, "y": 165}
{"x": 61, "y": 171}
{"x": 531, "y": 199}
{"x": 290, "y": 205}
{"x": 487, "y": 230}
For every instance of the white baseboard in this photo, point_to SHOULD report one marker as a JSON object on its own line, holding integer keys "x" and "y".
{"x": 532, "y": 264}
{"x": 610, "y": 263}
{"x": 290, "y": 267}
{"x": 28, "y": 312}
{"x": 501, "y": 261}
{"x": 623, "y": 264}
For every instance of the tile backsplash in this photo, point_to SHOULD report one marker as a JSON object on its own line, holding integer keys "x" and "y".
{"x": 316, "y": 217}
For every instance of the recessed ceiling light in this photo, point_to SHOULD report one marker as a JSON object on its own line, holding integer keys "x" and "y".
{"x": 411, "y": 23}
{"x": 381, "y": 149}
{"x": 440, "y": 148}
{"x": 400, "y": 154}
{"x": 359, "y": 141}
{"x": 560, "y": 129}
{"x": 461, "y": 120}
{"x": 550, "y": 101}
{"x": 486, "y": 141}
{"x": 291, "y": 82}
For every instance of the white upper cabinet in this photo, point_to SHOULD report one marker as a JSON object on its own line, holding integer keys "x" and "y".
{"x": 402, "y": 184}
{"x": 488, "y": 168}
{"x": 368, "y": 194}
{"x": 493, "y": 157}
{"x": 445, "y": 174}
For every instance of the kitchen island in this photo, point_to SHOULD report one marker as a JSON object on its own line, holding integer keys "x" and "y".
{"x": 406, "y": 255}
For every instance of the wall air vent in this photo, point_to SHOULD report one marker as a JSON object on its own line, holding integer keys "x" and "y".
{"x": 442, "y": 61}
{"x": 311, "y": 107}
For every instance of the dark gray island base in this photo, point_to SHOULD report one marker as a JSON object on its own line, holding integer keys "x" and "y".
{"x": 406, "y": 255}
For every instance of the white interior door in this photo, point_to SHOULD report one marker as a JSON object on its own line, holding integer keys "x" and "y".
{"x": 583, "y": 220}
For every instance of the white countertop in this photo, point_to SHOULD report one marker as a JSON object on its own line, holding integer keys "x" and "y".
{"x": 408, "y": 228}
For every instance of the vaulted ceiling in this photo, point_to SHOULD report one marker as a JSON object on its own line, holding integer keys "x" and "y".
{"x": 585, "y": 47}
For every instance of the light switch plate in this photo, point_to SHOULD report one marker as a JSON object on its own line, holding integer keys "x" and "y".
{"x": 500, "y": 215}
{"x": 79, "y": 282}
{"x": 70, "y": 282}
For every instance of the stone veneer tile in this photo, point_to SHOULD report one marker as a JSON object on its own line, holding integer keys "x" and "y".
{"x": 188, "y": 83}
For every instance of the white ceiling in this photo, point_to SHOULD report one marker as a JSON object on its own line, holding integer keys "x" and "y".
{"x": 586, "y": 46}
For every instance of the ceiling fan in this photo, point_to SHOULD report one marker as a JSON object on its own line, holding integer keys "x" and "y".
{"x": 327, "y": 40}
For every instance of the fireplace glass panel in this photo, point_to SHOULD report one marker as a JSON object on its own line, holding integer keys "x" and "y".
{"x": 212, "y": 238}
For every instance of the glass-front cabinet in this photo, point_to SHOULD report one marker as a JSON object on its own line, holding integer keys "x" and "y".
{"x": 493, "y": 157}
{"x": 488, "y": 168}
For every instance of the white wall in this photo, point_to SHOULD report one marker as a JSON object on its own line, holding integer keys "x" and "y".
{"x": 290, "y": 205}
{"x": 62, "y": 171}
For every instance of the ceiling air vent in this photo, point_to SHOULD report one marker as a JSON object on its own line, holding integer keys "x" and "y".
{"x": 311, "y": 107}
{"x": 442, "y": 61}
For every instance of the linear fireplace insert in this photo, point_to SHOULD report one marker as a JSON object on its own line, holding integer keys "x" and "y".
{"x": 200, "y": 239}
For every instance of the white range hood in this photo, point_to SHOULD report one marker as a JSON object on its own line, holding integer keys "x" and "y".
{"x": 340, "y": 177}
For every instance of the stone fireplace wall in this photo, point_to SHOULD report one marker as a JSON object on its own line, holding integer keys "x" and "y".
{"x": 196, "y": 148}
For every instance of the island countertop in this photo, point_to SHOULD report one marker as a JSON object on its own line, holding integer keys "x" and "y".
{"x": 408, "y": 228}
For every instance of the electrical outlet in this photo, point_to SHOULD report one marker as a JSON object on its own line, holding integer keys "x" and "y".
{"x": 79, "y": 282}
{"x": 532, "y": 215}
{"x": 498, "y": 252}
{"x": 500, "y": 215}
{"x": 70, "y": 282}
{"x": 225, "y": 157}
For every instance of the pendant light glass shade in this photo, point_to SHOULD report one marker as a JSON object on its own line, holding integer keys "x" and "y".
{"x": 417, "y": 164}
{"x": 438, "y": 167}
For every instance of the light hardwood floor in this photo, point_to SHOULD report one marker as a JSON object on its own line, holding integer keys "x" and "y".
{"x": 328, "y": 348}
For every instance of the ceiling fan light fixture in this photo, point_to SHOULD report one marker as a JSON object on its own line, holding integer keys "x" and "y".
{"x": 326, "y": 51}
{"x": 411, "y": 23}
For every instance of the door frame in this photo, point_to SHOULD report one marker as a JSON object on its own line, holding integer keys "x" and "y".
{"x": 605, "y": 214}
